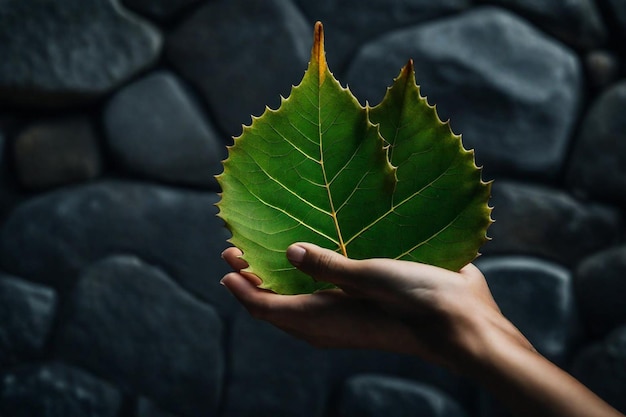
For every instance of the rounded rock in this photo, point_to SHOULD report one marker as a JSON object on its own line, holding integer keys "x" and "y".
{"x": 51, "y": 237}
{"x": 597, "y": 167}
{"x": 495, "y": 77}
{"x": 272, "y": 373}
{"x": 382, "y": 396}
{"x": 55, "y": 389}
{"x": 600, "y": 284}
{"x": 576, "y": 22}
{"x": 69, "y": 52}
{"x": 242, "y": 55}
{"x": 57, "y": 152}
{"x": 130, "y": 324}
{"x": 548, "y": 223}
{"x": 27, "y": 311}
{"x": 154, "y": 129}
{"x": 538, "y": 298}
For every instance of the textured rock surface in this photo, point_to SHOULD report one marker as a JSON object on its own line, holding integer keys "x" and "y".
{"x": 147, "y": 408}
{"x": 50, "y": 238}
{"x": 118, "y": 311}
{"x": 26, "y": 314}
{"x": 538, "y": 298}
{"x": 544, "y": 222}
{"x": 532, "y": 86}
{"x": 348, "y": 362}
{"x": 159, "y": 9}
{"x": 155, "y": 130}
{"x": 263, "y": 359}
{"x": 600, "y": 284}
{"x": 381, "y": 396}
{"x": 617, "y": 13}
{"x": 602, "y": 67}
{"x": 598, "y": 164}
{"x": 53, "y": 390}
{"x": 576, "y": 22}
{"x": 70, "y": 51}
{"x": 277, "y": 41}
{"x": 602, "y": 367}
{"x": 367, "y": 20}
{"x": 497, "y": 79}
{"x": 57, "y": 152}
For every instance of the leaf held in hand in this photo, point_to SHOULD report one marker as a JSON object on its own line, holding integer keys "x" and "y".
{"x": 390, "y": 181}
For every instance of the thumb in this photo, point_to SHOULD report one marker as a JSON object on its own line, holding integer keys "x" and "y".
{"x": 321, "y": 264}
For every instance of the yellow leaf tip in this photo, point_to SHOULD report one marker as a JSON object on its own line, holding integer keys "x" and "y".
{"x": 318, "y": 54}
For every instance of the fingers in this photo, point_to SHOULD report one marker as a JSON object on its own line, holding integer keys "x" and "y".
{"x": 370, "y": 277}
{"x": 325, "y": 265}
{"x": 233, "y": 257}
{"x": 324, "y": 319}
{"x": 255, "y": 300}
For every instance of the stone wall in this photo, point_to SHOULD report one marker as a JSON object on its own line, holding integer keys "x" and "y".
{"x": 114, "y": 119}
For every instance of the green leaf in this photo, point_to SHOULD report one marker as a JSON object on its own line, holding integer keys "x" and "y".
{"x": 390, "y": 181}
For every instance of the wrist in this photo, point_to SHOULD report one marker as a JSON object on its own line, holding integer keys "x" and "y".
{"x": 489, "y": 338}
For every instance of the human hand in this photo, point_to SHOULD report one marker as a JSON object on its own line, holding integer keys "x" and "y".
{"x": 445, "y": 317}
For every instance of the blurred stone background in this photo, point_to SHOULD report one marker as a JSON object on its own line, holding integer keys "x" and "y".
{"x": 114, "y": 118}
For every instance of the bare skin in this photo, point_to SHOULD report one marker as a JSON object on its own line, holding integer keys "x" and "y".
{"x": 445, "y": 317}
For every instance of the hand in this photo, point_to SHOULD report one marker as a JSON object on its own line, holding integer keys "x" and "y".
{"x": 445, "y": 317}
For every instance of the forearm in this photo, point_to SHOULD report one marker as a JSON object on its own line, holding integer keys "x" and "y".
{"x": 530, "y": 385}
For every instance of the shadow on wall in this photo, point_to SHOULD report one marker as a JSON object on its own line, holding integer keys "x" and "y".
{"x": 114, "y": 117}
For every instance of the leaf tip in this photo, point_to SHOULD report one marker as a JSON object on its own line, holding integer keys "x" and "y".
{"x": 318, "y": 54}
{"x": 408, "y": 70}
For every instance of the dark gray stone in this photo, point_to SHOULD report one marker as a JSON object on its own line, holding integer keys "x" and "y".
{"x": 155, "y": 130}
{"x": 70, "y": 51}
{"x": 57, "y": 152}
{"x": 242, "y": 55}
{"x": 600, "y": 284}
{"x": 538, "y": 297}
{"x": 382, "y": 396}
{"x": 147, "y": 408}
{"x": 602, "y": 368}
{"x": 602, "y": 68}
{"x": 348, "y": 362}
{"x": 53, "y": 390}
{"x": 273, "y": 374}
{"x": 490, "y": 406}
{"x": 368, "y": 20}
{"x": 617, "y": 14}
{"x": 51, "y": 237}
{"x": 576, "y": 22}
{"x": 9, "y": 189}
{"x": 159, "y": 9}
{"x": 597, "y": 167}
{"x": 26, "y": 314}
{"x": 129, "y": 323}
{"x": 548, "y": 223}
{"x": 495, "y": 76}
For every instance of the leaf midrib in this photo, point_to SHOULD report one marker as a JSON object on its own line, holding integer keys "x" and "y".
{"x": 320, "y": 133}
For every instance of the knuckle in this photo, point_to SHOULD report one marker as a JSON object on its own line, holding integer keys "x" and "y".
{"x": 326, "y": 263}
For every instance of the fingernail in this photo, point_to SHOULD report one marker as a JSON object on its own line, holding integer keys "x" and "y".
{"x": 295, "y": 254}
